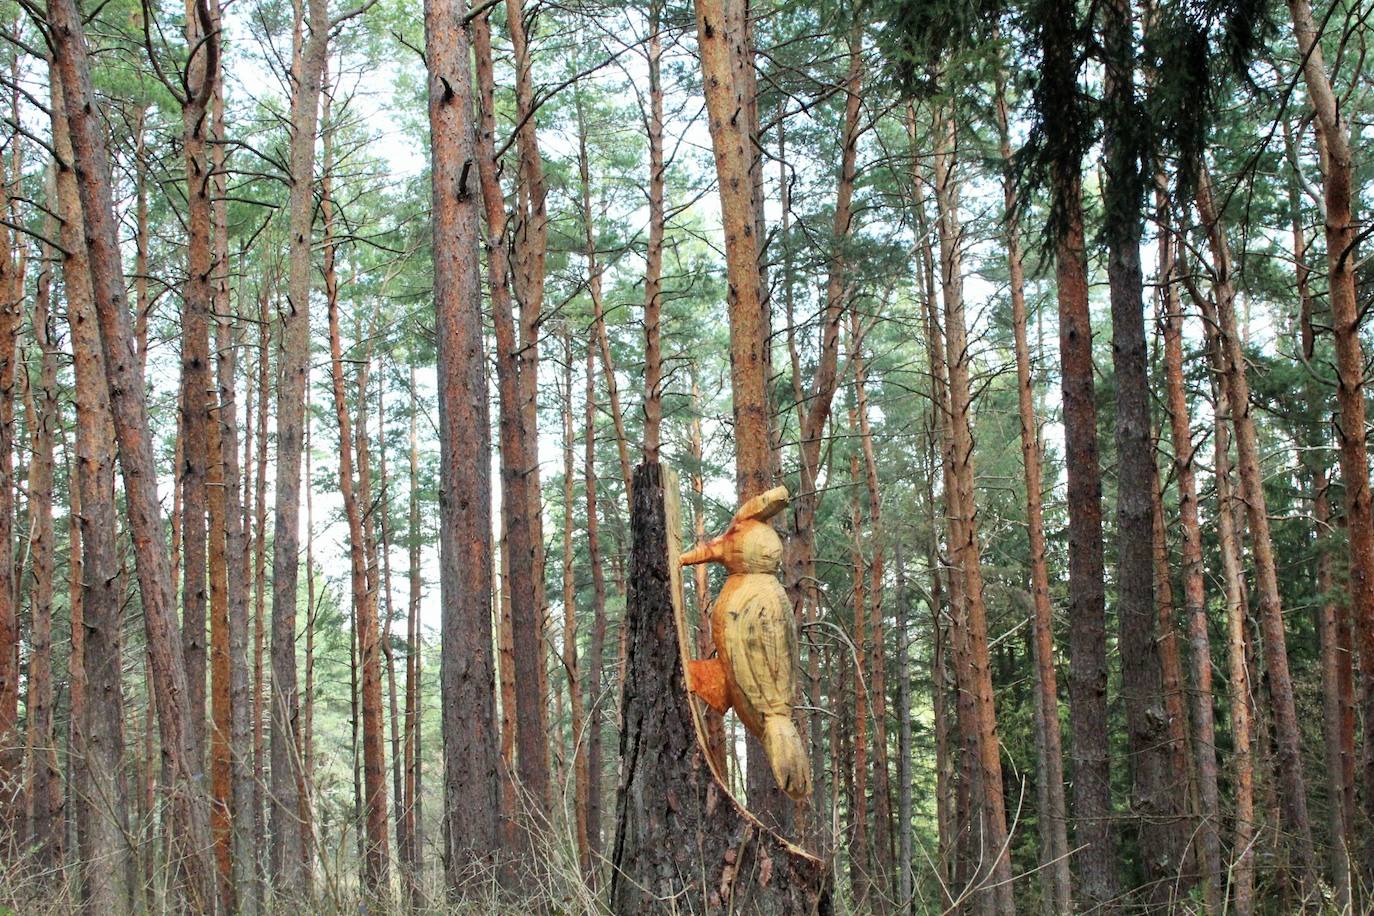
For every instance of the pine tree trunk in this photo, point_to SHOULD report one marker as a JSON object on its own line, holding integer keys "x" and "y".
{"x": 409, "y": 846}
{"x": 1342, "y": 236}
{"x": 860, "y": 847}
{"x": 1088, "y": 749}
{"x": 653, "y": 260}
{"x": 905, "y": 883}
{"x": 364, "y": 596}
{"x": 571, "y": 666}
{"x": 518, "y": 455}
{"x": 1194, "y": 586}
{"x": 1152, "y": 797}
{"x": 189, "y": 812}
{"x": 882, "y": 790}
{"x": 287, "y": 776}
{"x": 530, "y": 236}
{"x": 196, "y": 384}
{"x": 964, "y": 543}
{"x": 596, "y": 646}
{"x": 469, "y": 724}
{"x": 260, "y": 710}
{"x": 1293, "y": 786}
{"x": 45, "y": 795}
{"x": 1242, "y": 867}
{"x": 106, "y": 885}
{"x": 1054, "y": 853}
{"x": 11, "y": 315}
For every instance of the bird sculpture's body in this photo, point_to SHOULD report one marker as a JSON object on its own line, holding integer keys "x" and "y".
{"x": 754, "y": 671}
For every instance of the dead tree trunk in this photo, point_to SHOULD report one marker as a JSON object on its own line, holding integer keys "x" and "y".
{"x": 682, "y": 840}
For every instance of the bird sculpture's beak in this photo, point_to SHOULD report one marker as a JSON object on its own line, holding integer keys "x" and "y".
{"x": 710, "y": 552}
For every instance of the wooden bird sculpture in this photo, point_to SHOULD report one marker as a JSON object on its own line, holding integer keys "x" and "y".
{"x": 755, "y": 668}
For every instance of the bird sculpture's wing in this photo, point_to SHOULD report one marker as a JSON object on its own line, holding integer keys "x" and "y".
{"x": 761, "y": 642}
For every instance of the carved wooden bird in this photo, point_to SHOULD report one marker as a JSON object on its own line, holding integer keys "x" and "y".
{"x": 755, "y": 668}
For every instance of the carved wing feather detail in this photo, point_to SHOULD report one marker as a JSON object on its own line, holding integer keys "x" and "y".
{"x": 761, "y": 640}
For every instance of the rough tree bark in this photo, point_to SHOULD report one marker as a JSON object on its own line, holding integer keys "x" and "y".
{"x": 682, "y": 840}
{"x": 288, "y": 842}
{"x": 101, "y": 790}
{"x": 1152, "y": 797}
{"x": 468, "y": 706}
{"x": 188, "y": 810}
{"x": 45, "y": 797}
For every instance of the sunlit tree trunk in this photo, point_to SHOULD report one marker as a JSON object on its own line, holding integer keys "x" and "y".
{"x": 1242, "y": 865}
{"x": 364, "y": 597}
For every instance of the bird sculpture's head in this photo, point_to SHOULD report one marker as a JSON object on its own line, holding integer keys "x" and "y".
{"x": 749, "y": 545}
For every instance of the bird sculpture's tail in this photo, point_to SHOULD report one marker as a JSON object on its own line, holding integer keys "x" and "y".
{"x": 787, "y": 754}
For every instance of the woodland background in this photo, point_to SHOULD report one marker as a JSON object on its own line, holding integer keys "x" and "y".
{"x": 331, "y": 335}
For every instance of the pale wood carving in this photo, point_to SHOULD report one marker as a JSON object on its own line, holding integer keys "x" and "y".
{"x": 754, "y": 671}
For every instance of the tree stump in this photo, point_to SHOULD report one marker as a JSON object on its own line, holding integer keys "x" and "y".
{"x": 684, "y": 843}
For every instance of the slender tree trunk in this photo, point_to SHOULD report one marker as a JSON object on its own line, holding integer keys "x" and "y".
{"x": 1342, "y": 236}
{"x": 596, "y": 646}
{"x": 288, "y": 841}
{"x": 964, "y": 530}
{"x": 1194, "y": 589}
{"x": 882, "y": 791}
{"x": 570, "y": 662}
{"x": 45, "y": 795}
{"x": 1242, "y": 867}
{"x": 197, "y": 386}
{"x": 1289, "y": 753}
{"x": 1054, "y": 854}
{"x": 469, "y": 727}
{"x": 905, "y": 884}
{"x": 530, "y": 236}
{"x": 260, "y": 702}
{"x": 1337, "y": 676}
{"x": 410, "y": 812}
{"x": 861, "y": 851}
{"x": 1089, "y": 751}
{"x": 189, "y": 811}
{"x": 519, "y": 490}
{"x": 101, "y": 790}
{"x": 653, "y": 265}
{"x": 1152, "y": 797}
{"x": 11, "y": 315}
{"x": 364, "y": 597}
